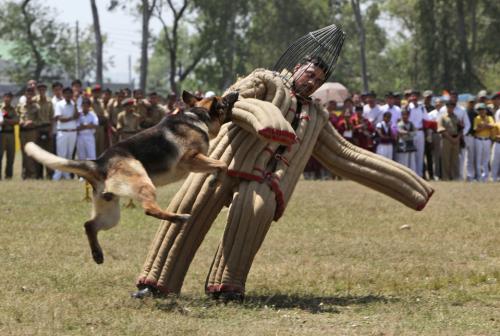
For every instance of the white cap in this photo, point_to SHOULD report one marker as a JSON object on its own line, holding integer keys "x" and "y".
{"x": 209, "y": 94}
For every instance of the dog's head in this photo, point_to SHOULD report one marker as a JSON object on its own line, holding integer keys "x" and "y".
{"x": 218, "y": 108}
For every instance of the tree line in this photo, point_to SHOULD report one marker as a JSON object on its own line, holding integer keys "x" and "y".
{"x": 428, "y": 44}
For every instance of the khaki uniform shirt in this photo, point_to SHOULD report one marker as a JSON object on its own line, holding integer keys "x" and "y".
{"x": 448, "y": 123}
{"x": 128, "y": 122}
{"x": 100, "y": 111}
{"x": 46, "y": 111}
{"x": 153, "y": 116}
{"x": 115, "y": 109}
{"x": 29, "y": 112}
{"x": 141, "y": 108}
{"x": 10, "y": 115}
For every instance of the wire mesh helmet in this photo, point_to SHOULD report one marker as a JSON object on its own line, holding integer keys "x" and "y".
{"x": 320, "y": 47}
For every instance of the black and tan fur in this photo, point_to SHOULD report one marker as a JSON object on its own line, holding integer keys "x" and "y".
{"x": 134, "y": 167}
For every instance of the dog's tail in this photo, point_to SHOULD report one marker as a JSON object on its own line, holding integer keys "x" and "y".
{"x": 86, "y": 169}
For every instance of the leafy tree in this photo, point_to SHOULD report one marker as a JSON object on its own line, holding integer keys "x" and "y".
{"x": 44, "y": 49}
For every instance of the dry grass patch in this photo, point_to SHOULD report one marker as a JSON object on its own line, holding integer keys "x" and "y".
{"x": 336, "y": 263}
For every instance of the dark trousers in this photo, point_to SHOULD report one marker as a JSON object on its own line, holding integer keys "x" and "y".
{"x": 429, "y": 164}
{"x": 44, "y": 140}
{"x": 7, "y": 146}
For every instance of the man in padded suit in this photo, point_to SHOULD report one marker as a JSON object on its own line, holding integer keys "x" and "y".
{"x": 259, "y": 193}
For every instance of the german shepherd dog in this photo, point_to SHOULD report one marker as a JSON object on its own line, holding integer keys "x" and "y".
{"x": 156, "y": 156}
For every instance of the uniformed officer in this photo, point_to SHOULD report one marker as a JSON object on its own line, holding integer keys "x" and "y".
{"x": 448, "y": 127}
{"x": 101, "y": 132}
{"x": 114, "y": 110}
{"x": 154, "y": 113}
{"x": 8, "y": 143}
{"x": 129, "y": 121}
{"x": 29, "y": 120}
{"x": 44, "y": 137}
{"x": 141, "y": 105}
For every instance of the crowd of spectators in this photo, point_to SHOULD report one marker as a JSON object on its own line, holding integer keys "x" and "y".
{"x": 74, "y": 122}
{"x": 438, "y": 137}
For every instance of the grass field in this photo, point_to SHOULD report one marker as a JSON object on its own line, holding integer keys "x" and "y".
{"x": 337, "y": 263}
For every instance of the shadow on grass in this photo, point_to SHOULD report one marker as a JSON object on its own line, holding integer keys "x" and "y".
{"x": 312, "y": 304}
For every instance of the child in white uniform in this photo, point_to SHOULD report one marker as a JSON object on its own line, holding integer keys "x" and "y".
{"x": 87, "y": 124}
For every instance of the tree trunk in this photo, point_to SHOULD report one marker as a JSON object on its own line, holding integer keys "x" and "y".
{"x": 98, "y": 42}
{"x": 467, "y": 73}
{"x": 146, "y": 14}
{"x": 362, "y": 41}
{"x": 40, "y": 63}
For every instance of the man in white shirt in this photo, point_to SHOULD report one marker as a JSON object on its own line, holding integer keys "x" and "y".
{"x": 66, "y": 117}
{"x": 371, "y": 110}
{"x": 469, "y": 140}
{"x": 87, "y": 124}
{"x": 496, "y": 106}
{"x": 390, "y": 106}
{"x": 76, "y": 86}
{"x": 417, "y": 116}
{"x": 434, "y": 115}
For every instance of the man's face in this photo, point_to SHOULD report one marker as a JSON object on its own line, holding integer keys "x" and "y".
{"x": 307, "y": 78}
{"x": 29, "y": 96}
{"x": 497, "y": 101}
{"x": 450, "y": 108}
{"x": 106, "y": 95}
{"x": 139, "y": 95}
{"x": 405, "y": 116}
{"x": 42, "y": 91}
{"x": 57, "y": 90}
{"x": 67, "y": 95}
{"x": 390, "y": 100}
{"x": 370, "y": 100}
{"x": 85, "y": 108}
{"x": 32, "y": 84}
{"x": 414, "y": 98}
{"x": 96, "y": 94}
{"x": 453, "y": 98}
{"x": 482, "y": 112}
{"x": 76, "y": 89}
{"x": 153, "y": 99}
{"x": 387, "y": 118}
{"x": 428, "y": 100}
{"x": 7, "y": 99}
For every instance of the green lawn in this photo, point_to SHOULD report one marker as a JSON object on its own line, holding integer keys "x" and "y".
{"x": 337, "y": 263}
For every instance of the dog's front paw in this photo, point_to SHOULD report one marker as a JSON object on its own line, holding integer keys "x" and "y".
{"x": 98, "y": 256}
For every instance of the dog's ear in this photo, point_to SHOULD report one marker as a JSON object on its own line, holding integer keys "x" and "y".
{"x": 189, "y": 98}
{"x": 230, "y": 99}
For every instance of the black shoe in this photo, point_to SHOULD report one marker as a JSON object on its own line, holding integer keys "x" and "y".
{"x": 145, "y": 291}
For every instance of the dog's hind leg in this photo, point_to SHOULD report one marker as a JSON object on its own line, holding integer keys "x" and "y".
{"x": 131, "y": 179}
{"x": 105, "y": 215}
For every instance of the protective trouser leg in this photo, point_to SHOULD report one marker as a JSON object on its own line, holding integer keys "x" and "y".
{"x": 250, "y": 216}
{"x": 175, "y": 245}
